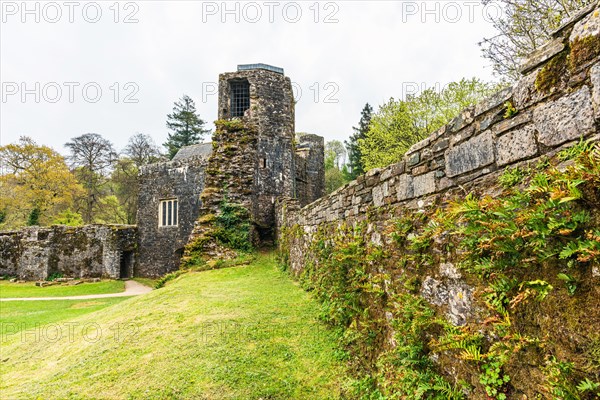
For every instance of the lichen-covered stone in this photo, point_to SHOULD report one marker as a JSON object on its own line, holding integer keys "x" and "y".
{"x": 595, "y": 79}
{"x": 103, "y": 251}
{"x": 588, "y": 26}
{"x": 452, "y": 294}
{"x": 566, "y": 118}
{"x": 516, "y": 145}
{"x": 473, "y": 154}
{"x": 543, "y": 54}
{"x": 404, "y": 187}
{"x": 424, "y": 184}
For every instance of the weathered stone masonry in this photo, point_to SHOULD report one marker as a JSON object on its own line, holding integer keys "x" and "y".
{"x": 310, "y": 168}
{"x": 254, "y": 160}
{"x": 103, "y": 251}
{"x": 161, "y": 247}
{"x": 467, "y": 155}
{"x": 480, "y": 143}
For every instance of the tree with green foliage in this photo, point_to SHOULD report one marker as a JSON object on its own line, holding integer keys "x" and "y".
{"x": 335, "y": 176}
{"x": 92, "y": 158}
{"x": 524, "y": 26}
{"x": 336, "y": 150}
{"x": 355, "y": 164}
{"x": 69, "y": 218}
{"x": 125, "y": 186}
{"x": 36, "y": 184}
{"x": 398, "y": 124}
{"x": 186, "y": 125}
{"x": 392, "y": 132}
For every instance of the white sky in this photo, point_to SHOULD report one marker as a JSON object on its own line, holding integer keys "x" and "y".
{"x": 375, "y": 50}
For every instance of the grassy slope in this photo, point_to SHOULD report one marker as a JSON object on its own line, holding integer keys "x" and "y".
{"x": 236, "y": 333}
{"x": 30, "y": 290}
{"x": 16, "y": 316}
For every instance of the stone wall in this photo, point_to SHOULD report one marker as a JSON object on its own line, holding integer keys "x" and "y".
{"x": 310, "y": 168}
{"x": 484, "y": 140}
{"x": 106, "y": 251}
{"x": 161, "y": 247}
{"x": 557, "y": 103}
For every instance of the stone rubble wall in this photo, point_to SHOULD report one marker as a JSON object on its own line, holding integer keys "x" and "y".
{"x": 90, "y": 251}
{"x": 557, "y": 103}
{"x": 162, "y": 247}
{"x": 481, "y": 142}
{"x": 230, "y": 177}
{"x": 310, "y": 168}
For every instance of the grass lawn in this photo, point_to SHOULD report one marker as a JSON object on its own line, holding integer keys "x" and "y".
{"x": 29, "y": 289}
{"x": 150, "y": 282}
{"x": 16, "y": 316}
{"x": 244, "y": 332}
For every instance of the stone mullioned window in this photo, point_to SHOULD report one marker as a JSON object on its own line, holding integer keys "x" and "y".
{"x": 168, "y": 213}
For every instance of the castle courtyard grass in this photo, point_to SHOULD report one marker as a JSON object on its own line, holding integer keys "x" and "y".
{"x": 28, "y": 289}
{"x": 245, "y": 332}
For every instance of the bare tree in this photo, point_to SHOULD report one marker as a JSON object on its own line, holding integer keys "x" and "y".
{"x": 91, "y": 157}
{"x": 524, "y": 27}
{"x": 142, "y": 150}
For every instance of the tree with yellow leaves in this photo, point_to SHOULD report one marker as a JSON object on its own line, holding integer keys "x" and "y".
{"x": 36, "y": 185}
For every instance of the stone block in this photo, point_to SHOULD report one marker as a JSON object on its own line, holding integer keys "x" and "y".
{"x": 516, "y": 145}
{"x": 440, "y": 145}
{"x": 588, "y": 26}
{"x": 543, "y": 54}
{"x": 510, "y": 123}
{"x": 462, "y": 120}
{"x": 566, "y": 118}
{"x": 380, "y": 192}
{"x": 595, "y": 79}
{"x": 386, "y": 174}
{"x": 495, "y": 100}
{"x": 404, "y": 188}
{"x": 413, "y": 159}
{"x": 424, "y": 184}
{"x": 462, "y": 135}
{"x": 579, "y": 15}
{"x": 525, "y": 94}
{"x": 418, "y": 146}
{"x": 470, "y": 155}
{"x": 421, "y": 169}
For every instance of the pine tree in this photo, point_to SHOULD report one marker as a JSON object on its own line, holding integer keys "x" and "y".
{"x": 355, "y": 164}
{"x": 186, "y": 124}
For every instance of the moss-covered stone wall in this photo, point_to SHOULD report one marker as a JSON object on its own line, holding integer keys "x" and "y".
{"x": 470, "y": 269}
{"x": 103, "y": 251}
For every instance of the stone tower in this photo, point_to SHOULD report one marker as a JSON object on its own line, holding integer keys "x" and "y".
{"x": 261, "y": 96}
{"x": 251, "y": 161}
{"x": 253, "y": 158}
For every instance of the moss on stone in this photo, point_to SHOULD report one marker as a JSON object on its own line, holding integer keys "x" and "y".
{"x": 552, "y": 73}
{"x": 584, "y": 50}
{"x": 231, "y": 125}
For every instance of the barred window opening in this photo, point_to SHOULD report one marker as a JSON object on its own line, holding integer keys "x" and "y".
{"x": 240, "y": 98}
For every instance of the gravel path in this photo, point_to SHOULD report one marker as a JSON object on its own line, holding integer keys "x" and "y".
{"x": 132, "y": 288}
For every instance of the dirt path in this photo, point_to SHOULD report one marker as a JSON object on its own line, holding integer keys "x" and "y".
{"x": 132, "y": 288}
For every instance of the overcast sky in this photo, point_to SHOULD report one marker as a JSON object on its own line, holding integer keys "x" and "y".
{"x": 144, "y": 55}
